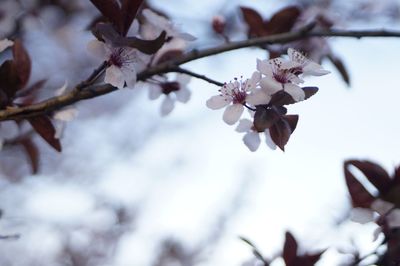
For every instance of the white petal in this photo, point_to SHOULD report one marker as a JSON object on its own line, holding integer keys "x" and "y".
{"x": 381, "y": 206}
{"x": 183, "y": 95}
{"x": 186, "y": 36}
{"x": 258, "y": 97}
{"x": 255, "y": 78}
{"x": 98, "y": 49}
{"x": 232, "y": 113}
{"x": 376, "y": 233}
{"x": 4, "y": 44}
{"x": 361, "y": 215}
{"x": 61, "y": 90}
{"x": 264, "y": 67}
{"x": 252, "y": 140}
{"x": 115, "y": 77}
{"x": 393, "y": 218}
{"x": 129, "y": 73}
{"x": 217, "y": 102}
{"x": 66, "y": 114}
{"x": 244, "y": 125}
{"x": 183, "y": 79}
{"x": 270, "y": 85}
{"x": 59, "y": 127}
{"x": 295, "y": 91}
{"x": 167, "y": 106}
{"x": 314, "y": 69}
{"x": 268, "y": 140}
{"x": 154, "y": 91}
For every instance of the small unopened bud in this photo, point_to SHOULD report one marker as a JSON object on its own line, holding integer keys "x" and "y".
{"x": 218, "y": 24}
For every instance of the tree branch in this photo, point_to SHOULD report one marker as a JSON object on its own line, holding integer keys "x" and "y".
{"x": 76, "y": 95}
{"x": 193, "y": 74}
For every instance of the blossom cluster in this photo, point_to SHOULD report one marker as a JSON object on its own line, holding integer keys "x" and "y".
{"x": 275, "y": 83}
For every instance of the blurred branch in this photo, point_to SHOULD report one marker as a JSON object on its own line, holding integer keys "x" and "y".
{"x": 193, "y": 74}
{"x": 78, "y": 94}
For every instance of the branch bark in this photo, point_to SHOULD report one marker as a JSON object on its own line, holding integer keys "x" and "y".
{"x": 77, "y": 94}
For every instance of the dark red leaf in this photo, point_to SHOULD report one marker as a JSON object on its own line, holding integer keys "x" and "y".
{"x": 32, "y": 152}
{"x": 283, "y": 20}
{"x": 374, "y": 173}
{"x": 338, "y": 63}
{"x": 292, "y": 120}
{"x": 289, "y": 249}
{"x": 281, "y": 98}
{"x": 106, "y": 31}
{"x": 9, "y": 79}
{"x": 129, "y": 10}
{"x": 31, "y": 90}
{"x": 265, "y": 118}
{"x": 111, "y": 10}
{"x": 309, "y": 91}
{"x": 145, "y": 46}
{"x": 22, "y": 62}
{"x": 312, "y": 259}
{"x": 44, "y": 127}
{"x": 280, "y": 133}
{"x": 360, "y": 196}
{"x": 169, "y": 55}
{"x": 255, "y": 22}
{"x": 396, "y": 176}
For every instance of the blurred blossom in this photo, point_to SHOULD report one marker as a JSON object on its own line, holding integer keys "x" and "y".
{"x": 176, "y": 90}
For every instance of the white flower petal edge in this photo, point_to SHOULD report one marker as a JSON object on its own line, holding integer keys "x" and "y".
{"x": 4, "y": 44}
{"x": 115, "y": 77}
{"x": 183, "y": 95}
{"x": 167, "y": 106}
{"x": 217, "y": 102}
{"x": 244, "y": 125}
{"x": 252, "y": 140}
{"x": 232, "y": 113}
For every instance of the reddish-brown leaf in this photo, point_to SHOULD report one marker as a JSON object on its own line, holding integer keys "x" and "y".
{"x": 374, "y": 173}
{"x": 265, "y": 118}
{"x": 292, "y": 120}
{"x": 283, "y": 20}
{"x": 289, "y": 249}
{"x": 396, "y": 176}
{"x": 32, "y": 152}
{"x": 44, "y": 127}
{"x": 360, "y": 196}
{"x": 9, "y": 79}
{"x": 338, "y": 63}
{"x": 309, "y": 91}
{"x": 22, "y": 62}
{"x": 145, "y": 46}
{"x": 129, "y": 10}
{"x": 255, "y": 22}
{"x": 111, "y": 10}
{"x": 280, "y": 133}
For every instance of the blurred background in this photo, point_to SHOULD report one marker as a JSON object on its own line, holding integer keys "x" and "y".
{"x": 134, "y": 188}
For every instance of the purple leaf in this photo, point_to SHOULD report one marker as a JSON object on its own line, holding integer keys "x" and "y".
{"x": 338, "y": 63}
{"x": 255, "y": 22}
{"x": 22, "y": 62}
{"x": 111, "y": 10}
{"x": 280, "y": 133}
{"x": 374, "y": 173}
{"x": 289, "y": 249}
{"x": 360, "y": 196}
{"x": 9, "y": 79}
{"x": 265, "y": 118}
{"x": 32, "y": 152}
{"x": 283, "y": 20}
{"x": 44, "y": 127}
{"x": 129, "y": 11}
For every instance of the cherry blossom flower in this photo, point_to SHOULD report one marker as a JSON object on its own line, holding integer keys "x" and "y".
{"x": 173, "y": 90}
{"x": 299, "y": 64}
{"x": 379, "y": 209}
{"x": 4, "y": 44}
{"x": 234, "y": 95}
{"x": 252, "y": 138}
{"x": 155, "y": 24}
{"x": 123, "y": 63}
{"x": 278, "y": 77}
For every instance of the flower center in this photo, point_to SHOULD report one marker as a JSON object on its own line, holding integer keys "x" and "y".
{"x": 116, "y": 57}
{"x": 168, "y": 87}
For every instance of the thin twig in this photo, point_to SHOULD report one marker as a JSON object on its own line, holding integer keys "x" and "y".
{"x": 77, "y": 95}
{"x": 193, "y": 74}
